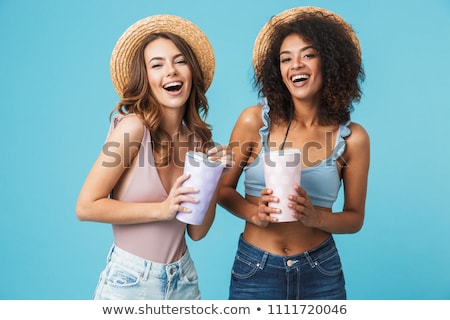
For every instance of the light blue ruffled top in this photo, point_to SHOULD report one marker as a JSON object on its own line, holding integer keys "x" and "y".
{"x": 321, "y": 181}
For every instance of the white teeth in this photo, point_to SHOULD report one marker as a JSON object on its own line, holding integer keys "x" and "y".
{"x": 300, "y": 77}
{"x": 173, "y": 85}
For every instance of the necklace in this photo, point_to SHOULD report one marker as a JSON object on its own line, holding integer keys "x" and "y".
{"x": 286, "y": 134}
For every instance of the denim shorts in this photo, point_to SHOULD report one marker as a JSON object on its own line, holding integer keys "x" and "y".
{"x": 312, "y": 275}
{"x": 129, "y": 277}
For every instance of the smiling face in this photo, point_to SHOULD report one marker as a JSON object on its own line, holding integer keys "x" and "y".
{"x": 300, "y": 68}
{"x": 168, "y": 73}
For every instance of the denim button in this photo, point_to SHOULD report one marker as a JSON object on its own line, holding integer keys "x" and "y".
{"x": 289, "y": 263}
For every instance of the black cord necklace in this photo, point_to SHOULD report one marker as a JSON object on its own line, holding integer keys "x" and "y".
{"x": 286, "y": 134}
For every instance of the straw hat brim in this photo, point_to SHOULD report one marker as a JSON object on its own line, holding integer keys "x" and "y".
{"x": 262, "y": 41}
{"x": 128, "y": 44}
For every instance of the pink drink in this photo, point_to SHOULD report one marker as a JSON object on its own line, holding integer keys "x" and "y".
{"x": 282, "y": 169}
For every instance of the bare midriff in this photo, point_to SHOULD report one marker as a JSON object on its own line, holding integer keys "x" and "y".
{"x": 284, "y": 238}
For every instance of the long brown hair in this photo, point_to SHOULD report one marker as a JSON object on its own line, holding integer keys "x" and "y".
{"x": 138, "y": 99}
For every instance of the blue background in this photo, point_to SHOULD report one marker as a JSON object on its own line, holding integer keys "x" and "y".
{"x": 56, "y": 96}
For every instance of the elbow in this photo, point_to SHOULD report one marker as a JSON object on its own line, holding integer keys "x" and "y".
{"x": 81, "y": 211}
{"x": 354, "y": 220}
{"x": 358, "y": 225}
{"x": 354, "y": 229}
{"x": 196, "y": 236}
{"x": 196, "y": 233}
{"x": 220, "y": 196}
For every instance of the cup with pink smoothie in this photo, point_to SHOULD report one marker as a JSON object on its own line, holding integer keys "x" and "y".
{"x": 282, "y": 169}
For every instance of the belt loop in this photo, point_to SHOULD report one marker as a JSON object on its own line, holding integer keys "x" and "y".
{"x": 147, "y": 268}
{"x": 183, "y": 261}
{"x": 180, "y": 269}
{"x": 263, "y": 261}
{"x": 109, "y": 256}
{"x": 308, "y": 258}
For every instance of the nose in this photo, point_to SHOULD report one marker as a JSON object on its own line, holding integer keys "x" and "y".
{"x": 171, "y": 69}
{"x": 298, "y": 63}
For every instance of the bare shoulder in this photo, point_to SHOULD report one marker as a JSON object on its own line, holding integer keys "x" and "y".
{"x": 251, "y": 117}
{"x": 358, "y": 134}
{"x": 129, "y": 125}
{"x": 358, "y": 142}
{"x": 248, "y": 124}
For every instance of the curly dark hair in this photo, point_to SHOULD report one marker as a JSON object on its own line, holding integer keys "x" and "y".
{"x": 342, "y": 70}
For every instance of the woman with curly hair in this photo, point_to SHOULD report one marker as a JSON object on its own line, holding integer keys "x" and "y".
{"x": 308, "y": 70}
{"x": 161, "y": 68}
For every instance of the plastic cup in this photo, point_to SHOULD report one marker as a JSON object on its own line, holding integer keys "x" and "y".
{"x": 282, "y": 169}
{"x": 205, "y": 175}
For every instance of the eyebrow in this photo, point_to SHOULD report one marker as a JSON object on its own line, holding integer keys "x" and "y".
{"x": 301, "y": 50}
{"x": 161, "y": 58}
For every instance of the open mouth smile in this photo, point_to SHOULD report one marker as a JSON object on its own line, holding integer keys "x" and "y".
{"x": 173, "y": 86}
{"x": 300, "y": 78}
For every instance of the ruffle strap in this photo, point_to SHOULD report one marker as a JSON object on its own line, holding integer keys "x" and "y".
{"x": 114, "y": 121}
{"x": 339, "y": 148}
{"x": 264, "y": 130}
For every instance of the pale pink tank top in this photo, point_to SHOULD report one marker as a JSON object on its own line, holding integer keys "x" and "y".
{"x": 161, "y": 241}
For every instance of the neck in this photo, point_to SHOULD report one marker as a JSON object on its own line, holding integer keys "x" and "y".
{"x": 172, "y": 123}
{"x": 306, "y": 114}
{"x": 173, "y": 130}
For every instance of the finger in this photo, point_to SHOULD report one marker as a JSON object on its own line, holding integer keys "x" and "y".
{"x": 220, "y": 151}
{"x": 180, "y": 180}
{"x": 266, "y": 217}
{"x": 297, "y": 208}
{"x": 216, "y": 149}
{"x": 300, "y": 191}
{"x": 225, "y": 161}
{"x": 186, "y": 190}
{"x": 183, "y": 209}
{"x": 297, "y": 215}
{"x": 297, "y": 199}
{"x": 184, "y": 198}
{"x": 269, "y": 198}
{"x": 266, "y": 191}
{"x": 265, "y": 209}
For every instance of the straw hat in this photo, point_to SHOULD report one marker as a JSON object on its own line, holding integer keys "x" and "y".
{"x": 127, "y": 45}
{"x": 262, "y": 41}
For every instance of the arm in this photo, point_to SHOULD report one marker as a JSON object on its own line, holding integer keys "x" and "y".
{"x": 94, "y": 203}
{"x": 354, "y": 176}
{"x": 243, "y": 142}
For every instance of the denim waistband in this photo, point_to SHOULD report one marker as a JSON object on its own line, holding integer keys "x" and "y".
{"x": 328, "y": 247}
{"x": 147, "y": 267}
